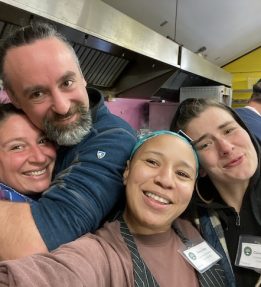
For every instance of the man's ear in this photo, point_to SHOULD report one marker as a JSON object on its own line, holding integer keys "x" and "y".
{"x": 126, "y": 173}
{"x": 13, "y": 98}
{"x": 83, "y": 80}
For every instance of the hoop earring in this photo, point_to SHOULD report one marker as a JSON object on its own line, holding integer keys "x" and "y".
{"x": 200, "y": 196}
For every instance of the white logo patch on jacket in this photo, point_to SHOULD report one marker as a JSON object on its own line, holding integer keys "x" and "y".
{"x": 101, "y": 154}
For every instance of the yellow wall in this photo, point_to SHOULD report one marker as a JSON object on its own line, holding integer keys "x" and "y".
{"x": 246, "y": 71}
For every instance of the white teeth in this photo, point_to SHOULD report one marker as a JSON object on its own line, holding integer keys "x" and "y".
{"x": 38, "y": 172}
{"x": 157, "y": 198}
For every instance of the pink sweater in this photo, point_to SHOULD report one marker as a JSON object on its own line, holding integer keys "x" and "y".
{"x": 101, "y": 260}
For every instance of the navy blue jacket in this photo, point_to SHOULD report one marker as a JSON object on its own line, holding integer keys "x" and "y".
{"x": 252, "y": 121}
{"x": 88, "y": 179}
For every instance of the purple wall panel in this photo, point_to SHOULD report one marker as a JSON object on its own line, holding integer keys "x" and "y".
{"x": 134, "y": 111}
{"x": 161, "y": 114}
{"x": 143, "y": 114}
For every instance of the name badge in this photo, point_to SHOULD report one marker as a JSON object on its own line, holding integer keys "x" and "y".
{"x": 249, "y": 252}
{"x": 201, "y": 256}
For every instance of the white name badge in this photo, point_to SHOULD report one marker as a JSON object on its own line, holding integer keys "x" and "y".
{"x": 249, "y": 252}
{"x": 201, "y": 256}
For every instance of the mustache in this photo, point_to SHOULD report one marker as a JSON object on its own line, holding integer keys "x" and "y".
{"x": 72, "y": 133}
{"x": 72, "y": 111}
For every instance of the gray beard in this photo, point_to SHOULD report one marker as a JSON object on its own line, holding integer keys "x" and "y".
{"x": 71, "y": 134}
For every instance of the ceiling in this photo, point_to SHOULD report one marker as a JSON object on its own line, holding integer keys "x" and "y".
{"x": 224, "y": 29}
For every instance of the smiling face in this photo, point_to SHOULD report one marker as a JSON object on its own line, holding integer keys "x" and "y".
{"x": 159, "y": 184}
{"x": 48, "y": 86}
{"x": 225, "y": 149}
{"x": 26, "y": 156}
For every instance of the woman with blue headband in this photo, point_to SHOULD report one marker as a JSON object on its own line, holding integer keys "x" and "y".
{"x": 148, "y": 244}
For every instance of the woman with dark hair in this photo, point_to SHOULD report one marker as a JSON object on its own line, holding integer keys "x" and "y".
{"x": 227, "y": 203}
{"x": 27, "y": 157}
{"x": 146, "y": 243}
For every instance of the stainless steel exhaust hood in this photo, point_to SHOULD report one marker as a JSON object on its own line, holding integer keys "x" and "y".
{"x": 117, "y": 54}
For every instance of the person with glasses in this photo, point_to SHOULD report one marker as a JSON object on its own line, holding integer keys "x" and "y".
{"x": 227, "y": 204}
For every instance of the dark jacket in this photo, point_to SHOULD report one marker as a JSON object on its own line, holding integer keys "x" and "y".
{"x": 88, "y": 181}
{"x": 221, "y": 225}
{"x": 252, "y": 120}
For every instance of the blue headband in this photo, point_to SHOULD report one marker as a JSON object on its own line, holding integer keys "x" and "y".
{"x": 181, "y": 135}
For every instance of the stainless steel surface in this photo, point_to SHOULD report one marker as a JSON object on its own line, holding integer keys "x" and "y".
{"x": 99, "y": 68}
{"x": 220, "y": 93}
{"x": 197, "y": 65}
{"x": 227, "y": 29}
{"x": 117, "y": 53}
{"x": 96, "y": 18}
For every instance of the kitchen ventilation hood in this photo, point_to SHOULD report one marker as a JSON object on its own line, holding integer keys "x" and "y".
{"x": 117, "y": 54}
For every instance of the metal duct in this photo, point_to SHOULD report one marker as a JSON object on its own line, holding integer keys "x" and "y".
{"x": 116, "y": 53}
{"x": 101, "y": 69}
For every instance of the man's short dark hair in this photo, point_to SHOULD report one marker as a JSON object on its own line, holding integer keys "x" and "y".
{"x": 27, "y": 35}
{"x": 256, "y": 95}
